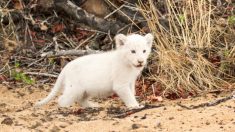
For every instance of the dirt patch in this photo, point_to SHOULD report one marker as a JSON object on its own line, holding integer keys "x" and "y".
{"x": 17, "y": 114}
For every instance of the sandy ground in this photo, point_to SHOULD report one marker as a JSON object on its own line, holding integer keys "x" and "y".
{"x": 17, "y": 114}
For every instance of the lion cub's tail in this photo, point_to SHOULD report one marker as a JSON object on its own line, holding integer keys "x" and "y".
{"x": 58, "y": 85}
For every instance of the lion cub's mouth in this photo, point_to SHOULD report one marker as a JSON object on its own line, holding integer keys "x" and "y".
{"x": 139, "y": 66}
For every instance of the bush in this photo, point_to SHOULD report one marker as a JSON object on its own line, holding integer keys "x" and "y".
{"x": 190, "y": 56}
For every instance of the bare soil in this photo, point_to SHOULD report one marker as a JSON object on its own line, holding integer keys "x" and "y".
{"x": 17, "y": 114}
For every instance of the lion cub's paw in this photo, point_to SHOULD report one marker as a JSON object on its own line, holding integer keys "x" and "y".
{"x": 136, "y": 107}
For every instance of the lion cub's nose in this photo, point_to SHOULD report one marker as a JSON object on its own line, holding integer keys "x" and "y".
{"x": 140, "y": 61}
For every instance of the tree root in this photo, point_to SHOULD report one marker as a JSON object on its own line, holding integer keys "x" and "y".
{"x": 133, "y": 111}
{"x": 208, "y": 104}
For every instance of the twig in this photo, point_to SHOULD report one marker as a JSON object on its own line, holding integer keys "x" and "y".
{"x": 69, "y": 52}
{"x": 133, "y": 111}
{"x": 113, "y": 12}
{"x": 208, "y": 104}
{"x": 89, "y": 38}
{"x": 35, "y": 62}
{"x": 41, "y": 74}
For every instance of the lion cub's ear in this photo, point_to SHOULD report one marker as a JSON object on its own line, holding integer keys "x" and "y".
{"x": 120, "y": 40}
{"x": 149, "y": 38}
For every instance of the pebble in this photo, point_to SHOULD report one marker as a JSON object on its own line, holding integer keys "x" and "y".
{"x": 63, "y": 126}
{"x": 144, "y": 117}
{"x": 158, "y": 124}
{"x": 207, "y": 123}
{"x": 135, "y": 126}
{"x": 55, "y": 129}
{"x": 37, "y": 124}
{"x": 7, "y": 121}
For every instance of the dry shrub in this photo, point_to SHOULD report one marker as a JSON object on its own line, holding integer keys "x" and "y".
{"x": 188, "y": 57}
{"x": 8, "y": 31}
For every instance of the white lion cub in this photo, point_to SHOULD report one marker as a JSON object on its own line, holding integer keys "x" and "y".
{"x": 100, "y": 75}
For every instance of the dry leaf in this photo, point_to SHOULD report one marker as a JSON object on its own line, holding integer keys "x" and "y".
{"x": 154, "y": 98}
{"x": 43, "y": 27}
{"x": 57, "y": 28}
{"x": 2, "y": 78}
{"x": 10, "y": 45}
{"x": 18, "y": 5}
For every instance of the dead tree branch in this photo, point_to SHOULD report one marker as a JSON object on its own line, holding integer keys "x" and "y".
{"x": 69, "y": 53}
{"x": 41, "y": 74}
{"x": 81, "y": 16}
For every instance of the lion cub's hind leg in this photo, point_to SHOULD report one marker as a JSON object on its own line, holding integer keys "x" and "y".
{"x": 85, "y": 101}
{"x": 67, "y": 99}
{"x": 70, "y": 95}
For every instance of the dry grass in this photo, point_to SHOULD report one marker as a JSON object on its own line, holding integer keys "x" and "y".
{"x": 8, "y": 33}
{"x": 186, "y": 50}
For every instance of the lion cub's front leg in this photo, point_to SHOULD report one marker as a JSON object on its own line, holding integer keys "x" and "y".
{"x": 126, "y": 94}
{"x": 132, "y": 87}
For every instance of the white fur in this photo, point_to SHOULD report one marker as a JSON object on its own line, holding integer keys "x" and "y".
{"x": 100, "y": 75}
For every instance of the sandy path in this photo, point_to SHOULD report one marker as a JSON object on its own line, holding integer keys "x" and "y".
{"x": 16, "y": 114}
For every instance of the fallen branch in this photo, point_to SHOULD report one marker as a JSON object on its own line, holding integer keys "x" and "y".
{"x": 69, "y": 53}
{"x": 133, "y": 111}
{"x": 208, "y": 104}
{"x": 89, "y": 19}
{"x": 41, "y": 74}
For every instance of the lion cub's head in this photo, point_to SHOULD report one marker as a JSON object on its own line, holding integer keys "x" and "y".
{"x": 135, "y": 48}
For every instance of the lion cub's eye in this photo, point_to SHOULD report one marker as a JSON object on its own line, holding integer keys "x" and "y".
{"x": 133, "y": 51}
{"x": 144, "y": 51}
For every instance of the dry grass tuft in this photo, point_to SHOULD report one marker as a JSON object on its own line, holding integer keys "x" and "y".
{"x": 8, "y": 32}
{"x": 189, "y": 58}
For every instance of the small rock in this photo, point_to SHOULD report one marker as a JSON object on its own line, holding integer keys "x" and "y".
{"x": 115, "y": 123}
{"x": 19, "y": 110}
{"x": 171, "y": 118}
{"x": 135, "y": 126}
{"x": 7, "y": 121}
{"x": 34, "y": 115}
{"x": 3, "y": 105}
{"x": 55, "y": 129}
{"x": 48, "y": 118}
{"x": 135, "y": 116}
{"x": 180, "y": 109}
{"x": 221, "y": 123}
{"x": 65, "y": 114}
{"x": 144, "y": 117}
{"x": 229, "y": 106}
{"x": 207, "y": 123}
{"x": 63, "y": 126}
{"x": 158, "y": 124}
{"x": 37, "y": 124}
{"x": 43, "y": 120}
